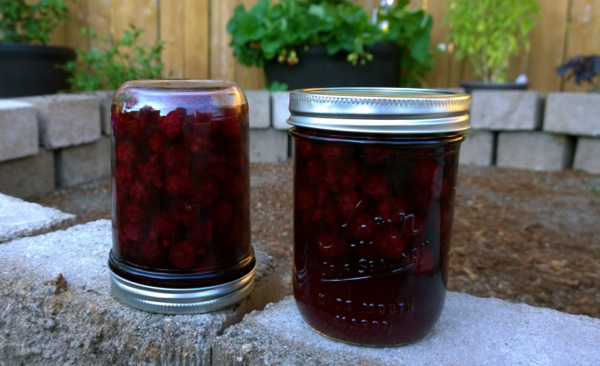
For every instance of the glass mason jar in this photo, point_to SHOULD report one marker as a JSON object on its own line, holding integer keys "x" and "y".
{"x": 374, "y": 186}
{"x": 180, "y": 194}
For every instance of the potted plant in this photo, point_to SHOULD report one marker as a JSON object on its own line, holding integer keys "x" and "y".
{"x": 489, "y": 32}
{"x": 27, "y": 65}
{"x": 329, "y": 43}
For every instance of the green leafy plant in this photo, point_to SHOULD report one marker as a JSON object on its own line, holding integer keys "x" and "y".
{"x": 267, "y": 31}
{"x": 277, "y": 86}
{"x": 489, "y": 32}
{"x": 23, "y": 22}
{"x": 122, "y": 60}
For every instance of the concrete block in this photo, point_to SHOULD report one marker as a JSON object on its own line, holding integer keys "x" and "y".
{"x": 280, "y": 104}
{"x": 85, "y": 325}
{"x": 83, "y": 163}
{"x": 30, "y": 176}
{"x": 478, "y": 148}
{"x": 534, "y": 151}
{"x": 471, "y": 331}
{"x": 268, "y": 146}
{"x": 105, "y": 97}
{"x": 587, "y": 155}
{"x": 19, "y": 129}
{"x": 573, "y": 113}
{"x": 506, "y": 110}
{"x": 67, "y": 119}
{"x": 19, "y": 218}
{"x": 259, "y": 102}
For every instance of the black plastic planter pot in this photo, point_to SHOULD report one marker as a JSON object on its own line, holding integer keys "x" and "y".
{"x": 27, "y": 69}
{"x": 471, "y": 86}
{"x": 316, "y": 69}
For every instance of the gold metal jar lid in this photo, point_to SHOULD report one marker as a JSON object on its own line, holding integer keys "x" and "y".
{"x": 380, "y": 110}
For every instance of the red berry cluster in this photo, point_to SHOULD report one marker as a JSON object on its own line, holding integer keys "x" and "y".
{"x": 372, "y": 226}
{"x": 371, "y": 202}
{"x": 181, "y": 193}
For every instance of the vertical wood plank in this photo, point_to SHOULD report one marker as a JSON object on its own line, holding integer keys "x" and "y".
{"x": 547, "y": 46}
{"x": 99, "y": 21}
{"x": 197, "y": 39}
{"x": 58, "y": 37}
{"x": 172, "y": 33}
{"x": 79, "y": 19}
{"x": 222, "y": 62}
{"x": 583, "y": 36}
{"x": 141, "y": 13}
{"x": 247, "y": 77}
{"x": 446, "y": 69}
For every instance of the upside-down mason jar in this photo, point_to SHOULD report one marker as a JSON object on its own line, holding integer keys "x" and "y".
{"x": 180, "y": 196}
{"x": 374, "y": 186}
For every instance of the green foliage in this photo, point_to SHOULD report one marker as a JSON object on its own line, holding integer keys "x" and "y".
{"x": 24, "y": 23}
{"x": 490, "y": 31}
{"x": 122, "y": 60}
{"x": 277, "y": 86}
{"x": 267, "y": 31}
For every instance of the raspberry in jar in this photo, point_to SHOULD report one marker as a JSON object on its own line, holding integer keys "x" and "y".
{"x": 374, "y": 182}
{"x": 180, "y": 178}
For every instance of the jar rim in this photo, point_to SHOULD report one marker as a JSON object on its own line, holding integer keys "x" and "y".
{"x": 180, "y": 84}
{"x": 380, "y": 110}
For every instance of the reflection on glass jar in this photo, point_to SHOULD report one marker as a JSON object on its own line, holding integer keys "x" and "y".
{"x": 180, "y": 188}
{"x": 372, "y": 220}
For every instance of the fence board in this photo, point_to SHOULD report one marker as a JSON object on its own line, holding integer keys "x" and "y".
{"x": 172, "y": 33}
{"x": 197, "y": 39}
{"x": 583, "y": 36}
{"x": 446, "y": 71}
{"x": 197, "y": 43}
{"x": 100, "y": 21}
{"x": 547, "y": 45}
{"x": 141, "y": 13}
{"x": 222, "y": 62}
{"x": 247, "y": 78}
{"x": 79, "y": 19}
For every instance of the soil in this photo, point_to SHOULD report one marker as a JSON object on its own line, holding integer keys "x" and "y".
{"x": 523, "y": 236}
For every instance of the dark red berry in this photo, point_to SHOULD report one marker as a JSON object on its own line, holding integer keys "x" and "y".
{"x": 223, "y": 212}
{"x": 182, "y": 255}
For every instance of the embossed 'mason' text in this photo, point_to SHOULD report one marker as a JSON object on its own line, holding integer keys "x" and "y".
{"x": 365, "y": 307}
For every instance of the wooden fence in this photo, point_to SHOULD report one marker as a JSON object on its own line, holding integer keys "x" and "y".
{"x": 196, "y": 42}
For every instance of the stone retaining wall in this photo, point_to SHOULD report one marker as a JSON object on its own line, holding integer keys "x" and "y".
{"x": 63, "y": 140}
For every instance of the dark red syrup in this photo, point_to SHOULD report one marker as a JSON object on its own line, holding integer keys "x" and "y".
{"x": 372, "y": 225}
{"x": 181, "y": 194}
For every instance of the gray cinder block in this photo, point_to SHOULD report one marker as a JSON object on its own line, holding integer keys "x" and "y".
{"x": 534, "y": 151}
{"x": 83, "y": 163}
{"x": 506, "y": 110}
{"x": 30, "y": 176}
{"x": 259, "y": 103}
{"x": 83, "y": 324}
{"x": 478, "y": 148}
{"x": 471, "y": 331}
{"x": 67, "y": 119}
{"x": 573, "y": 113}
{"x": 280, "y": 104}
{"x": 587, "y": 155}
{"x": 106, "y": 98}
{"x": 268, "y": 146}
{"x": 18, "y": 129}
{"x": 19, "y": 218}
